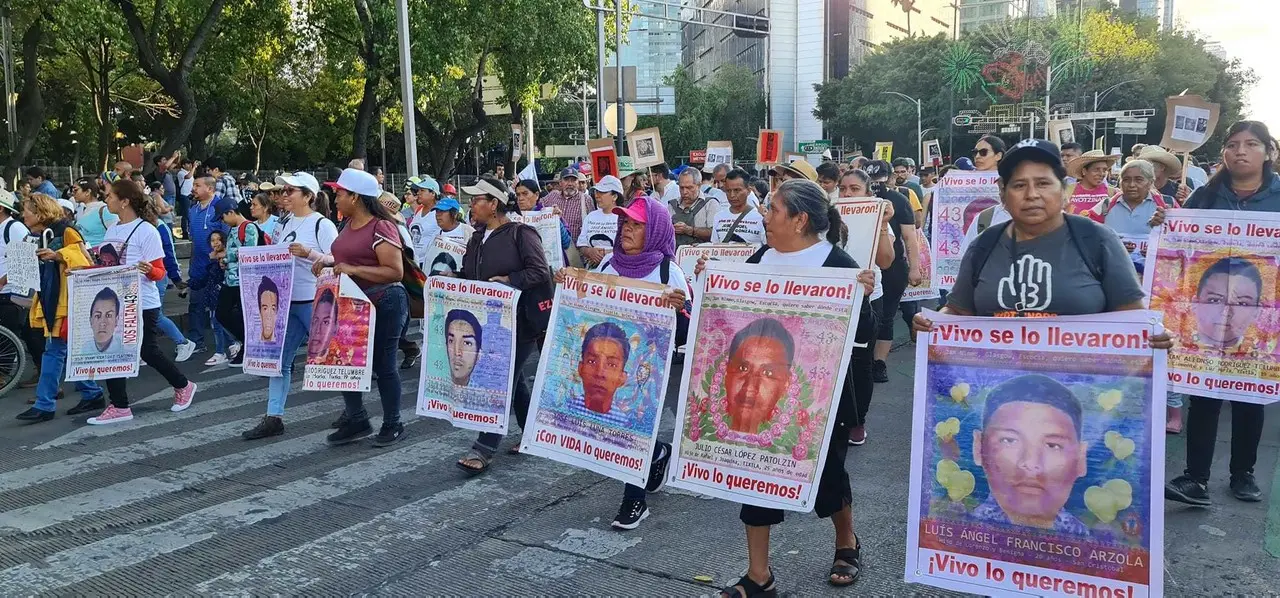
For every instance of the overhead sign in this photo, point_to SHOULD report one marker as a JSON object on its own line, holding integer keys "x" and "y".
{"x": 814, "y": 147}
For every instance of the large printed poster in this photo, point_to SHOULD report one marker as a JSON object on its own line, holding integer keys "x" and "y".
{"x": 862, "y": 217}
{"x": 603, "y": 376}
{"x": 266, "y": 289}
{"x": 1214, "y": 277}
{"x": 470, "y": 344}
{"x": 548, "y": 224}
{"x": 958, "y": 198}
{"x": 444, "y": 256}
{"x": 687, "y": 255}
{"x": 927, "y": 289}
{"x": 1037, "y": 456}
{"x": 761, "y": 387}
{"x": 104, "y": 323}
{"x": 340, "y": 344}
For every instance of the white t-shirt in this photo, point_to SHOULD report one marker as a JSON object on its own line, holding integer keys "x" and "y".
{"x": 17, "y": 232}
{"x": 672, "y": 191}
{"x": 184, "y": 182}
{"x": 461, "y": 232}
{"x": 423, "y": 229}
{"x": 304, "y": 231}
{"x": 598, "y": 224}
{"x": 674, "y": 276}
{"x": 750, "y": 230}
{"x": 812, "y": 257}
{"x": 716, "y": 194}
{"x": 134, "y": 242}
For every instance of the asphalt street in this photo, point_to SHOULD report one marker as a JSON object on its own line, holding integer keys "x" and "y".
{"x": 177, "y": 504}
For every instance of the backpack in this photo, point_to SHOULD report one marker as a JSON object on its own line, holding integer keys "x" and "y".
{"x": 1081, "y": 230}
{"x": 263, "y": 237}
{"x": 7, "y": 226}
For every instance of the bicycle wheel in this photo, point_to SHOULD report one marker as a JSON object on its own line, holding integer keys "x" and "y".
{"x": 13, "y": 360}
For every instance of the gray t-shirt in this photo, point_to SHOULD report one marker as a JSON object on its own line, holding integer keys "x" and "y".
{"x": 1049, "y": 276}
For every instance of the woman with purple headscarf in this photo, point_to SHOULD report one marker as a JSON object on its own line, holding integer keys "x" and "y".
{"x": 645, "y": 249}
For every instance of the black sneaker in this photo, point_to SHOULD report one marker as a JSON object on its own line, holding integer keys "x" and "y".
{"x": 269, "y": 426}
{"x": 410, "y": 360}
{"x": 389, "y": 435}
{"x": 341, "y": 421}
{"x": 880, "y": 371}
{"x": 1186, "y": 490}
{"x": 350, "y": 432}
{"x": 88, "y": 406}
{"x": 36, "y": 415}
{"x": 658, "y": 469}
{"x": 630, "y": 514}
{"x": 1243, "y": 487}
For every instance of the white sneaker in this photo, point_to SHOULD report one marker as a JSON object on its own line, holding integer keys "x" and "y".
{"x": 234, "y": 350}
{"x": 217, "y": 359}
{"x": 184, "y": 351}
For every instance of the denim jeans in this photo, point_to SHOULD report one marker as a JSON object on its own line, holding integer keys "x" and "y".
{"x": 52, "y": 366}
{"x": 296, "y": 331}
{"x": 487, "y": 443}
{"x": 167, "y": 326}
{"x": 1174, "y": 399}
{"x": 392, "y": 308}
{"x": 199, "y": 319}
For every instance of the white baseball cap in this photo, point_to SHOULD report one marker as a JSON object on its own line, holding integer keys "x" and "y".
{"x": 359, "y": 182}
{"x": 609, "y": 183}
{"x": 300, "y": 179}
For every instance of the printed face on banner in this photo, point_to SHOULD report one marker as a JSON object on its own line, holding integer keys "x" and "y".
{"x": 1029, "y": 463}
{"x": 104, "y": 320}
{"x": 1225, "y": 303}
{"x": 268, "y": 310}
{"x": 602, "y": 366}
{"x": 324, "y": 320}
{"x": 339, "y": 327}
{"x": 462, "y": 334}
{"x": 757, "y": 375}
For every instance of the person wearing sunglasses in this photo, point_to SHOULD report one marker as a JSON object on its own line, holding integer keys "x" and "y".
{"x": 987, "y": 154}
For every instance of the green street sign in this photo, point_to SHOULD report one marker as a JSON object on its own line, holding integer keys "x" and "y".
{"x": 813, "y": 147}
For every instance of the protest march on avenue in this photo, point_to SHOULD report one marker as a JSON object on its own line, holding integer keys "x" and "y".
{"x": 645, "y": 344}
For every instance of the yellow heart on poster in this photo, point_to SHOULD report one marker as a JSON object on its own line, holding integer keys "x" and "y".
{"x": 960, "y": 391}
{"x": 946, "y": 467}
{"x": 1109, "y": 439}
{"x": 1123, "y": 448}
{"x": 1122, "y": 490}
{"x": 1107, "y": 500}
{"x": 947, "y": 429}
{"x": 959, "y": 485}
{"x": 1109, "y": 399}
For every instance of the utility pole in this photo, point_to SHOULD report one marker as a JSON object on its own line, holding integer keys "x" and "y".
{"x": 406, "y": 89}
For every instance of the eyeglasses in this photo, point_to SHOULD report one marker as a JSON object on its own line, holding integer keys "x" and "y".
{"x": 286, "y": 190}
{"x": 981, "y": 151}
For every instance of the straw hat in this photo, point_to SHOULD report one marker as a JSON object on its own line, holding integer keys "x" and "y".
{"x": 1080, "y": 163}
{"x": 1158, "y": 155}
{"x": 799, "y": 168}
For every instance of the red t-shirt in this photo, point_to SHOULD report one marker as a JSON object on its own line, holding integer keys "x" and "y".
{"x": 355, "y": 246}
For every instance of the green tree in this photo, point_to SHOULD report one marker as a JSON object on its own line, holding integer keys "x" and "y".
{"x": 731, "y": 107}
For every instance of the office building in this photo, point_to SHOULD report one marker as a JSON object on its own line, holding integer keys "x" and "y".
{"x": 975, "y": 14}
{"x": 652, "y": 46}
{"x": 1160, "y": 10}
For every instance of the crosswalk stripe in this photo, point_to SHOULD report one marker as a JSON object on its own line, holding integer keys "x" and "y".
{"x": 78, "y": 564}
{"x": 79, "y": 464}
{"x": 114, "y": 496}
{"x": 364, "y": 542}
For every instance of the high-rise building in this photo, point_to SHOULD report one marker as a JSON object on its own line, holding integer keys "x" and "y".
{"x": 975, "y": 14}
{"x": 1160, "y": 10}
{"x": 809, "y": 42}
{"x": 653, "y": 46}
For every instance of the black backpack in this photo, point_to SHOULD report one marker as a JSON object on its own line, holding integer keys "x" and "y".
{"x": 1082, "y": 232}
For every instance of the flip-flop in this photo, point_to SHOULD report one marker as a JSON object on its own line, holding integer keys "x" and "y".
{"x": 474, "y": 455}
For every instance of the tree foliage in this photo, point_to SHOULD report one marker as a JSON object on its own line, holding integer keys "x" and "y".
{"x": 731, "y": 108}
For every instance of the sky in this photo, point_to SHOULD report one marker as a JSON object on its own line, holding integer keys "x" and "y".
{"x": 1247, "y": 30}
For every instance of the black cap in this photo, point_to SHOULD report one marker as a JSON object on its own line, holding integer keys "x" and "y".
{"x": 1035, "y": 150}
{"x": 877, "y": 169}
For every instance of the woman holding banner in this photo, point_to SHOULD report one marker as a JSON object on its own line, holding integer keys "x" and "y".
{"x": 137, "y": 242}
{"x": 644, "y": 248}
{"x": 510, "y": 253}
{"x": 308, "y": 235}
{"x": 60, "y": 251}
{"x": 370, "y": 250}
{"x": 1246, "y": 181}
{"x": 802, "y": 229}
{"x": 527, "y": 200}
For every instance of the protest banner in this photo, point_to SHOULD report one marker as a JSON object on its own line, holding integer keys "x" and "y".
{"x": 718, "y": 152}
{"x": 1189, "y": 121}
{"x": 646, "y": 147}
{"x": 1214, "y": 276}
{"x": 1061, "y": 131}
{"x": 597, "y": 400}
{"x": 758, "y": 400}
{"x": 23, "y": 265}
{"x": 884, "y": 151}
{"x": 861, "y": 215}
{"x": 517, "y": 142}
{"x": 266, "y": 289}
{"x": 104, "y": 323}
{"x": 933, "y": 152}
{"x": 958, "y": 198}
{"x": 340, "y": 344}
{"x": 444, "y": 256}
{"x": 927, "y": 289}
{"x": 769, "y": 147}
{"x": 687, "y": 255}
{"x": 604, "y": 158}
{"x": 1037, "y": 456}
{"x": 548, "y": 224}
{"x": 469, "y": 339}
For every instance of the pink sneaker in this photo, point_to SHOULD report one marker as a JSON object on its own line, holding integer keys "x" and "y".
{"x": 112, "y": 416}
{"x": 182, "y": 397}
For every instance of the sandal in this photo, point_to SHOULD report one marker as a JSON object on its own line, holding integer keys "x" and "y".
{"x": 751, "y": 589}
{"x": 851, "y": 570}
{"x": 474, "y": 455}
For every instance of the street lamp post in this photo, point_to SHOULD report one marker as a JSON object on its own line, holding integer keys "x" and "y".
{"x": 919, "y": 122}
{"x": 1097, "y": 97}
{"x": 1048, "y": 87}
{"x": 406, "y": 89}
